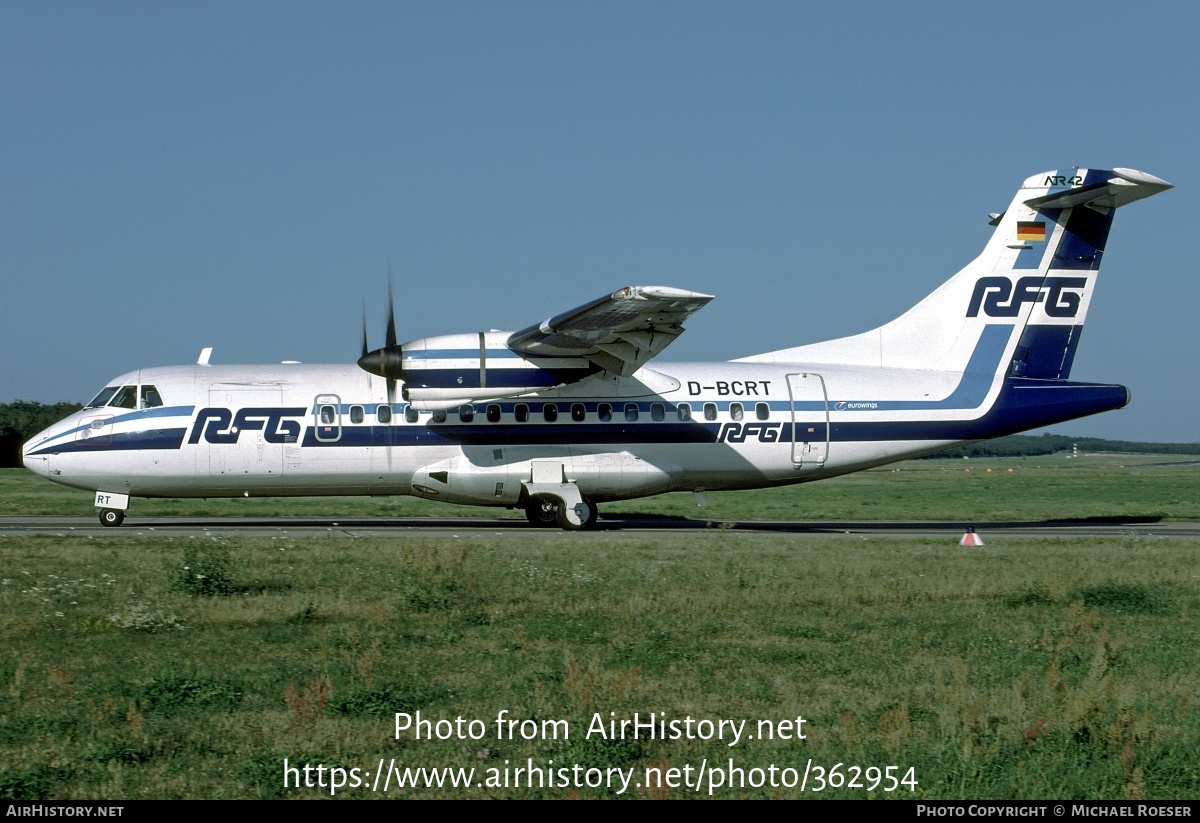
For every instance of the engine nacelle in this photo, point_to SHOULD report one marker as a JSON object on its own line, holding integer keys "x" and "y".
{"x": 452, "y": 369}
{"x": 435, "y": 399}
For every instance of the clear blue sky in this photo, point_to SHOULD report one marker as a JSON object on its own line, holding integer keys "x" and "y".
{"x": 239, "y": 174}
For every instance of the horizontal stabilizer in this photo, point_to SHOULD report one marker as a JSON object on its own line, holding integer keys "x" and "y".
{"x": 1124, "y": 187}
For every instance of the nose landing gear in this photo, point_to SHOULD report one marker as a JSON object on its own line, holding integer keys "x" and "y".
{"x": 111, "y": 517}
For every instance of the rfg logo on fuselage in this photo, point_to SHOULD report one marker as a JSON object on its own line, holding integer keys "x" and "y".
{"x": 999, "y": 298}
{"x": 221, "y": 426}
{"x": 741, "y": 432}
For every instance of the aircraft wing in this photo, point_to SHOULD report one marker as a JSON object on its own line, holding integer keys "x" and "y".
{"x": 620, "y": 332}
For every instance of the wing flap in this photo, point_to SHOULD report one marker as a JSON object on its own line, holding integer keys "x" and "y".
{"x": 620, "y": 332}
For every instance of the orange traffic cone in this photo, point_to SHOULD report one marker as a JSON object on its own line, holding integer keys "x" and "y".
{"x": 969, "y": 538}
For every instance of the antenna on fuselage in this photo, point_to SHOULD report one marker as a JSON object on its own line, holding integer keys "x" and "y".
{"x": 205, "y": 353}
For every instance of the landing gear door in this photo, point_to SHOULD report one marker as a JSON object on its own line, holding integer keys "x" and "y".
{"x": 810, "y": 420}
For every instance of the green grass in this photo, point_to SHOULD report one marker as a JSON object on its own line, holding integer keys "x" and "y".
{"x": 1038, "y": 488}
{"x": 1056, "y": 668}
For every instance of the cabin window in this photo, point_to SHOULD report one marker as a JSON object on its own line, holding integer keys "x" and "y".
{"x": 102, "y": 398}
{"x": 604, "y": 412}
{"x": 439, "y": 416}
{"x": 631, "y": 412}
{"x": 328, "y": 415}
{"x": 466, "y": 413}
{"x": 658, "y": 412}
{"x": 411, "y": 415}
{"x": 710, "y": 411}
{"x": 356, "y": 414}
{"x": 521, "y": 413}
{"x": 493, "y": 413}
{"x": 736, "y": 412}
{"x": 383, "y": 414}
{"x": 684, "y": 411}
{"x": 762, "y": 411}
{"x": 151, "y": 399}
{"x": 578, "y": 412}
{"x": 126, "y": 398}
{"x": 550, "y": 412}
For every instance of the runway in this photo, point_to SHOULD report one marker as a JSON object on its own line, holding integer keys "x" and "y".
{"x": 636, "y": 524}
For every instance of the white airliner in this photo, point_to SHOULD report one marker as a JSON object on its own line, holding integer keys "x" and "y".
{"x": 569, "y": 414}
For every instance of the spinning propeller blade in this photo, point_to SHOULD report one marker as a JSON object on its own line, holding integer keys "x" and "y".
{"x": 390, "y": 340}
{"x": 364, "y": 331}
{"x": 384, "y": 361}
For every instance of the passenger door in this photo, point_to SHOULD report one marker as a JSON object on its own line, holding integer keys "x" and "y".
{"x": 810, "y": 420}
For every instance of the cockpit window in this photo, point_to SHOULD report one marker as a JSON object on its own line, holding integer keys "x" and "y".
{"x": 126, "y": 398}
{"x": 103, "y": 397}
{"x": 151, "y": 399}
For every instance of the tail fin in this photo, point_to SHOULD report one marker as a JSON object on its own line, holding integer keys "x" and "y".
{"x": 1024, "y": 298}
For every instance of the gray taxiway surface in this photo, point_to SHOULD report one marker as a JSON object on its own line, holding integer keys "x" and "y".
{"x": 641, "y": 524}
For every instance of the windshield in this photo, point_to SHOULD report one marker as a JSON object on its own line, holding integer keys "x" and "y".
{"x": 103, "y": 397}
{"x": 126, "y": 397}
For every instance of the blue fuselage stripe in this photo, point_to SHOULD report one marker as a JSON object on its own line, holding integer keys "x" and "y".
{"x": 153, "y": 440}
{"x": 460, "y": 354}
{"x": 1022, "y": 404}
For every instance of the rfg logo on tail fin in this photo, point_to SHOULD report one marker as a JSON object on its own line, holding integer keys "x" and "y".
{"x": 998, "y": 297}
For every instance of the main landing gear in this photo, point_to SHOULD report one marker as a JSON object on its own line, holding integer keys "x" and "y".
{"x": 111, "y": 517}
{"x": 547, "y": 510}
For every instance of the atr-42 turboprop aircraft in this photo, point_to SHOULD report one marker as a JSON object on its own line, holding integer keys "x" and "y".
{"x": 568, "y": 414}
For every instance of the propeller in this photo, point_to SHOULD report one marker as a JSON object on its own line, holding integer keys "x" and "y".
{"x": 387, "y": 361}
{"x": 390, "y": 340}
{"x": 364, "y": 333}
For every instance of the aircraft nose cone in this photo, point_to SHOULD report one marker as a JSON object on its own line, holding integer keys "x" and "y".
{"x": 38, "y": 464}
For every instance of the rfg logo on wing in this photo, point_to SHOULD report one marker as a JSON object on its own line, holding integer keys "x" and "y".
{"x": 999, "y": 298}
{"x": 215, "y": 425}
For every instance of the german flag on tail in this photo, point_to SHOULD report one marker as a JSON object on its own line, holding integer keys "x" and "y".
{"x": 1031, "y": 232}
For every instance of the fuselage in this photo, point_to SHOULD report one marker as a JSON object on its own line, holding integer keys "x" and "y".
{"x": 224, "y": 431}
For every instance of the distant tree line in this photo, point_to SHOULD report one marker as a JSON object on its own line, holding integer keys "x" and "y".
{"x": 1025, "y": 445}
{"x": 21, "y": 420}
